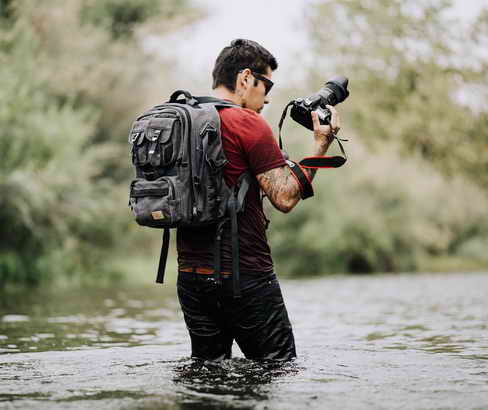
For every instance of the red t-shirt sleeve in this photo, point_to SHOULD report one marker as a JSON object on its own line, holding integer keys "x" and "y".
{"x": 257, "y": 142}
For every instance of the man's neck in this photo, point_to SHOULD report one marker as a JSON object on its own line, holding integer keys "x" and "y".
{"x": 224, "y": 93}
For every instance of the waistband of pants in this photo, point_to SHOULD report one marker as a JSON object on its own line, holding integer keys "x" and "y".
{"x": 208, "y": 273}
{"x": 203, "y": 271}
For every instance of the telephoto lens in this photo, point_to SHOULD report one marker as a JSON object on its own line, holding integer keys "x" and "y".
{"x": 333, "y": 92}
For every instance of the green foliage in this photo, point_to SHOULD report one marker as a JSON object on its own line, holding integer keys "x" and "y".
{"x": 74, "y": 74}
{"x": 413, "y": 194}
{"x": 381, "y": 213}
{"x": 49, "y": 203}
{"x": 119, "y": 17}
{"x": 5, "y": 9}
{"x": 68, "y": 93}
{"x": 410, "y": 68}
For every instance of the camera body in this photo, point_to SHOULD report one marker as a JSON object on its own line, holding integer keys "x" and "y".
{"x": 333, "y": 92}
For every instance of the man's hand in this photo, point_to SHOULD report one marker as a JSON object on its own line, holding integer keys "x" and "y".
{"x": 279, "y": 185}
{"x": 324, "y": 134}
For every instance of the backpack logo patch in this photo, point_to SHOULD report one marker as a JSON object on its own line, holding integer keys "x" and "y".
{"x": 157, "y": 215}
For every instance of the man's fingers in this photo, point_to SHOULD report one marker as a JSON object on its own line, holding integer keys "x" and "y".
{"x": 335, "y": 121}
{"x": 315, "y": 120}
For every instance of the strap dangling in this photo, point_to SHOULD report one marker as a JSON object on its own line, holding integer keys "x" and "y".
{"x": 282, "y": 119}
{"x": 163, "y": 256}
{"x": 243, "y": 183}
{"x": 235, "y": 247}
{"x": 218, "y": 244}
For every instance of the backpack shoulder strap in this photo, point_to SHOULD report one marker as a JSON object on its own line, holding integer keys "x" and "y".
{"x": 217, "y": 102}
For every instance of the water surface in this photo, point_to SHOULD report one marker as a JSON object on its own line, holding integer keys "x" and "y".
{"x": 373, "y": 342}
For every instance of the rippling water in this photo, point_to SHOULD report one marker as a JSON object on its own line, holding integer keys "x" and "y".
{"x": 374, "y": 342}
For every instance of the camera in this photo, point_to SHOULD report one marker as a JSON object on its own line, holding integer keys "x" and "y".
{"x": 333, "y": 92}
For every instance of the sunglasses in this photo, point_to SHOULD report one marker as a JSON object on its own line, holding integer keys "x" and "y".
{"x": 268, "y": 84}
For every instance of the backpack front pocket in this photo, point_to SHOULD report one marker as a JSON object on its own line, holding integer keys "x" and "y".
{"x": 163, "y": 135}
{"x": 154, "y": 203}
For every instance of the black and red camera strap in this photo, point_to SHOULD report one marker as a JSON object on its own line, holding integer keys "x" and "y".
{"x": 335, "y": 161}
{"x": 316, "y": 162}
{"x": 303, "y": 179}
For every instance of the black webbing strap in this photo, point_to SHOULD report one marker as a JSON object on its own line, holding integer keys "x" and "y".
{"x": 216, "y": 101}
{"x": 208, "y": 99}
{"x": 302, "y": 178}
{"x": 217, "y": 250}
{"x": 243, "y": 182}
{"x": 188, "y": 98}
{"x": 235, "y": 247}
{"x": 163, "y": 256}
{"x": 280, "y": 124}
{"x": 236, "y": 204}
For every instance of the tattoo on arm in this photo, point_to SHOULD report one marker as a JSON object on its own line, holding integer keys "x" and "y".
{"x": 280, "y": 187}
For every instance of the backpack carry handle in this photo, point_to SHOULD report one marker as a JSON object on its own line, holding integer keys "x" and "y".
{"x": 189, "y": 99}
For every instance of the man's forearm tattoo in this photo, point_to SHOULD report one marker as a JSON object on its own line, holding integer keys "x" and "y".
{"x": 280, "y": 187}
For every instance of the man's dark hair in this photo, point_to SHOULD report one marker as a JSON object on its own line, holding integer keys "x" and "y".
{"x": 239, "y": 55}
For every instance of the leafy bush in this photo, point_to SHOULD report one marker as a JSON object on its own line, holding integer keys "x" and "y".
{"x": 378, "y": 213}
{"x": 68, "y": 84}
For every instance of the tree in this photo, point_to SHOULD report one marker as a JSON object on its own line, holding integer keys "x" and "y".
{"x": 410, "y": 69}
{"x": 413, "y": 194}
{"x": 72, "y": 76}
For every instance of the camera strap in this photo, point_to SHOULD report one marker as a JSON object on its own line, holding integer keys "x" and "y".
{"x": 335, "y": 161}
{"x": 282, "y": 119}
{"x": 302, "y": 178}
{"x": 316, "y": 162}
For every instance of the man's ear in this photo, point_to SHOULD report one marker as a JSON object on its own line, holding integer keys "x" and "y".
{"x": 246, "y": 77}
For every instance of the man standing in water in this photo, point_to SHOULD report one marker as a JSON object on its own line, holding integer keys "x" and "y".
{"x": 257, "y": 321}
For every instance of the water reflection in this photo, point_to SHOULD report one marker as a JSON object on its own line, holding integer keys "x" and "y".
{"x": 388, "y": 339}
{"x": 79, "y": 320}
{"x": 236, "y": 379}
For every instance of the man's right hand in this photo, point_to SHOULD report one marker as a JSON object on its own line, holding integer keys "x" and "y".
{"x": 324, "y": 134}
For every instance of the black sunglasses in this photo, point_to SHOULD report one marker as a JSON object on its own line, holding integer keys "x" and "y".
{"x": 268, "y": 84}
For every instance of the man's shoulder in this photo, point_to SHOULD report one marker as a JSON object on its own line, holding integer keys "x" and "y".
{"x": 238, "y": 117}
{"x": 239, "y": 112}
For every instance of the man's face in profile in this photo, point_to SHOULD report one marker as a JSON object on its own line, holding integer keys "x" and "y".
{"x": 254, "y": 96}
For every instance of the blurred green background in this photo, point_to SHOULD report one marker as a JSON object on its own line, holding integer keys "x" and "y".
{"x": 412, "y": 197}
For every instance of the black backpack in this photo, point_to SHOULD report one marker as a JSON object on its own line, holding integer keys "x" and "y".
{"x": 179, "y": 160}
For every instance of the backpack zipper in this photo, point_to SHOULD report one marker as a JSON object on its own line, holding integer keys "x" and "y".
{"x": 193, "y": 193}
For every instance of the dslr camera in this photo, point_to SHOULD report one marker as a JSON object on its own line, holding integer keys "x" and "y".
{"x": 333, "y": 92}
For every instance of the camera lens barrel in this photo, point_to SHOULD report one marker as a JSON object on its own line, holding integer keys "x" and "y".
{"x": 334, "y": 91}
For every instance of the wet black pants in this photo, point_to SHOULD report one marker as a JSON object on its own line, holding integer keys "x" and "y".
{"x": 257, "y": 321}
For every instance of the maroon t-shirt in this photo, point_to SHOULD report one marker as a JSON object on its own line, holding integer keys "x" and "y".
{"x": 249, "y": 145}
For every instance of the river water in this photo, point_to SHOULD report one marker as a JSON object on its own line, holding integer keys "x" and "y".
{"x": 364, "y": 342}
